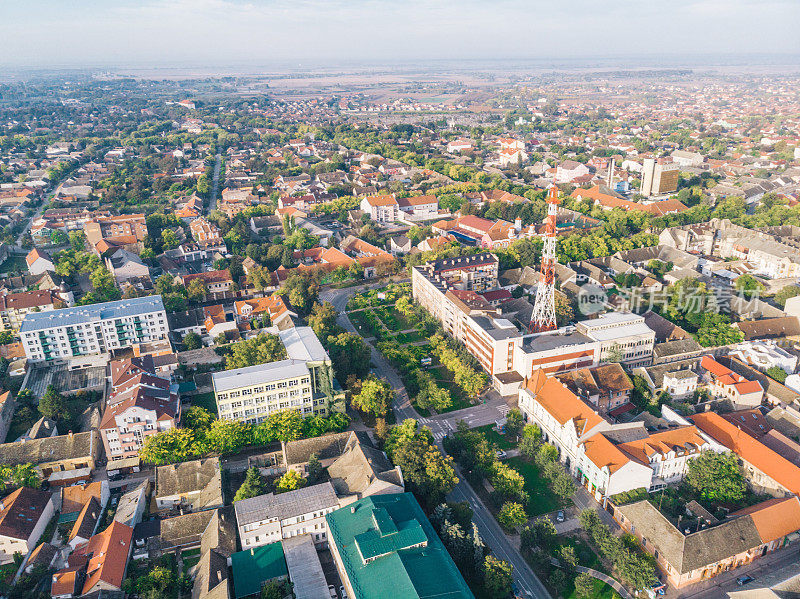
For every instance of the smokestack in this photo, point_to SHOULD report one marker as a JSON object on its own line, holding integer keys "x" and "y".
{"x": 518, "y": 225}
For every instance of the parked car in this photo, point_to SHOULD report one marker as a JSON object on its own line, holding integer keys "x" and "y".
{"x": 332, "y": 591}
{"x": 560, "y": 516}
{"x": 343, "y": 592}
{"x": 743, "y": 580}
{"x": 501, "y": 455}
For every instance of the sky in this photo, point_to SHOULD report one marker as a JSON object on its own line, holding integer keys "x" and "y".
{"x": 304, "y": 32}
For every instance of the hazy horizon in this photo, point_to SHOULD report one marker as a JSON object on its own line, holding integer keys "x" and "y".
{"x": 328, "y": 33}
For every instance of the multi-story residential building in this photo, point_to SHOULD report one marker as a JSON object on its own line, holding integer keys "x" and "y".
{"x": 659, "y": 177}
{"x": 608, "y": 458}
{"x": 203, "y": 231}
{"x": 621, "y": 337}
{"x": 484, "y": 233}
{"x": 215, "y": 281}
{"x": 269, "y": 518}
{"x": 607, "y": 387}
{"x": 14, "y": 307}
{"x": 140, "y": 405}
{"x": 381, "y": 209}
{"x": 98, "y": 328}
{"x": 303, "y": 382}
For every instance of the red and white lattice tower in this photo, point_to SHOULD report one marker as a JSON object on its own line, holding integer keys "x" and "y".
{"x": 544, "y": 309}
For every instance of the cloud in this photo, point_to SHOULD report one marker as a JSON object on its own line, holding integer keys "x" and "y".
{"x": 318, "y": 31}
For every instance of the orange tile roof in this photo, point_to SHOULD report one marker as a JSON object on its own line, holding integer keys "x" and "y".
{"x": 749, "y": 449}
{"x": 603, "y": 453}
{"x": 381, "y": 200}
{"x": 774, "y": 518}
{"x": 726, "y": 376}
{"x": 680, "y": 439}
{"x": 106, "y": 556}
{"x": 562, "y": 403}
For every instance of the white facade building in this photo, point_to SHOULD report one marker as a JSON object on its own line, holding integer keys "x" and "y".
{"x": 94, "y": 329}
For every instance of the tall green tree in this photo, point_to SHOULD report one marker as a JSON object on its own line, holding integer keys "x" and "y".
{"x": 716, "y": 477}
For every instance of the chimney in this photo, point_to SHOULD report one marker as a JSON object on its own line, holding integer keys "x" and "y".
{"x": 518, "y": 224}
{"x": 610, "y": 179}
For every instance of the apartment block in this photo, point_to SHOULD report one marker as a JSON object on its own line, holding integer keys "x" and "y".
{"x": 99, "y": 328}
{"x": 659, "y": 177}
{"x": 303, "y": 382}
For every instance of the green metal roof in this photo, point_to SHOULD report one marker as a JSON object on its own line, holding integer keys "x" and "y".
{"x": 253, "y": 567}
{"x": 390, "y": 551}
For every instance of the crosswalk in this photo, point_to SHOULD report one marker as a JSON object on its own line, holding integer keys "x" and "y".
{"x": 503, "y": 409}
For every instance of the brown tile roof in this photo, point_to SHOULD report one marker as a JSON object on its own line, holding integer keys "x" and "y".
{"x": 21, "y": 511}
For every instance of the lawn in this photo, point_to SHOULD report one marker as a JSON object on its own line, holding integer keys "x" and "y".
{"x": 459, "y": 401}
{"x": 14, "y": 263}
{"x": 413, "y": 337}
{"x": 364, "y": 322}
{"x": 541, "y": 500}
{"x": 502, "y": 441}
{"x": 206, "y": 401}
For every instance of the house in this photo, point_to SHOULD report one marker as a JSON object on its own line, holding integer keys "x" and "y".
{"x": 731, "y": 385}
{"x": 459, "y": 145}
{"x": 15, "y": 306}
{"x": 373, "y": 260}
{"x": 399, "y": 244}
{"x": 125, "y": 266}
{"x": 426, "y": 206}
{"x": 24, "y": 514}
{"x": 694, "y": 555}
{"x": 132, "y": 504}
{"x": 380, "y": 208}
{"x": 39, "y": 262}
{"x": 190, "y": 486}
{"x": 216, "y": 321}
{"x": 215, "y": 281}
{"x": 217, "y": 545}
{"x": 569, "y": 170}
{"x": 207, "y": 235}
{"x": 99, "y": 564}
{"x": 607, "y": 387}
{"x": 62, "y": 459}
{"x": 74, "y": 497}
{"x": 276, "y": 306}
{"x": 84, "y": 526}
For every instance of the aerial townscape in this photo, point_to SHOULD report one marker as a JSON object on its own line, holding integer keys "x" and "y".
{"x": 368, "y": 329}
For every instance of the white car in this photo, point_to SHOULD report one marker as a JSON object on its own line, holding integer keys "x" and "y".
{"x": 343, "y": 592}
{"x": 332, "y": 591}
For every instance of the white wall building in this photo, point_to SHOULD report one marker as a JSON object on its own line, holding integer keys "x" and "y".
{"x": 98, "y": 328}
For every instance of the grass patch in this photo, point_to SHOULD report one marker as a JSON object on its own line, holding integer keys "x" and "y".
{"x": 541, "y": 500}
{"x": 205, "y": 401}
{"x": 403, "y": 338}
{"x": 362, "y": 323}
{"x": 459, "y": 401}
{"x": 502, "y": 441}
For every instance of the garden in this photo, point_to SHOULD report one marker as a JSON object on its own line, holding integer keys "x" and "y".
{"x": 440, "y": 375}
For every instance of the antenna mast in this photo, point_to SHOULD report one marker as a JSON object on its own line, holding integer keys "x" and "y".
{"x": 544, "y": 308}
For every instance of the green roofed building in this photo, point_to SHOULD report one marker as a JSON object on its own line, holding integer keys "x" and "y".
{"x": 385, "y": 548}
{"x": 254, "y": 567}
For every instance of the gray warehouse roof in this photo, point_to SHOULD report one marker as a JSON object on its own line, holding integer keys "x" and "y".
{"x": 301, "y": 343}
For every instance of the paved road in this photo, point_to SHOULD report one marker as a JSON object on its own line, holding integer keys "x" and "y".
{"x": 498, "y": 542}
{"x": 440, "y": 425}
{"x": 37, "y": 214}
{"x": 212, "y": 204}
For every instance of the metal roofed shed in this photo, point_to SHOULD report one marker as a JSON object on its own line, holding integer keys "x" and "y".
{"x": 262, "y": 373}
{"x": 385, "y": 548}
{"x": 305, "y": 569}
{"x": 254, "y": 567}
{"x": 35, "y": 321}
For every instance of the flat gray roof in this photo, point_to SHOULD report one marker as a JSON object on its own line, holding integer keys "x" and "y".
{"x": 286, "y": 505}
{"x": 305, "y": 569}
{"x": 35, "y": 321}
{"x": 301, "y": 343}
{"x": 261, "y": 373}
{"x": 549, "y": 341}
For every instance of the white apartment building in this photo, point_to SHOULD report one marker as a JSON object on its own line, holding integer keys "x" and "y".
{"x": 251, "y": 394}
{"x": 303, "y": 382}
{"x": 621, "y": 337}
{"x": 381, "y": 209}
{"x": 270, "y": 518}
{"x": 607, "y": 458}
{"x": 99, "y": 328}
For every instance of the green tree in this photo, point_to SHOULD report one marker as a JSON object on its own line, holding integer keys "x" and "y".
{"x": 584, "y": 586}
{"x": 716, "y": 477}
{"x": 497, "y": 578}
{"x": 192, "y": 340}
{"x": 197, "y": 419}
{"x": 314, "y": 467}
{"x": 196, "y": 290}
{"x": 777, "y": 373}
{"x": 375, "y": 397}
{"x": 531, "y": 441}
{"x": 253, "y": 485}
{"x": 507, "y": 482}
{"x": 53, "y": 405}
{"x": 785, "y": 293}
{"x": 322, "y": 320}
{"x": 512, "y": 515}
{"x": 290, "y": 481}
{"x": 541, "y": 533}
{"x": 262, "y": 349}
{"x": 350, "y": 355}
{"x": 514, "y": 422}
